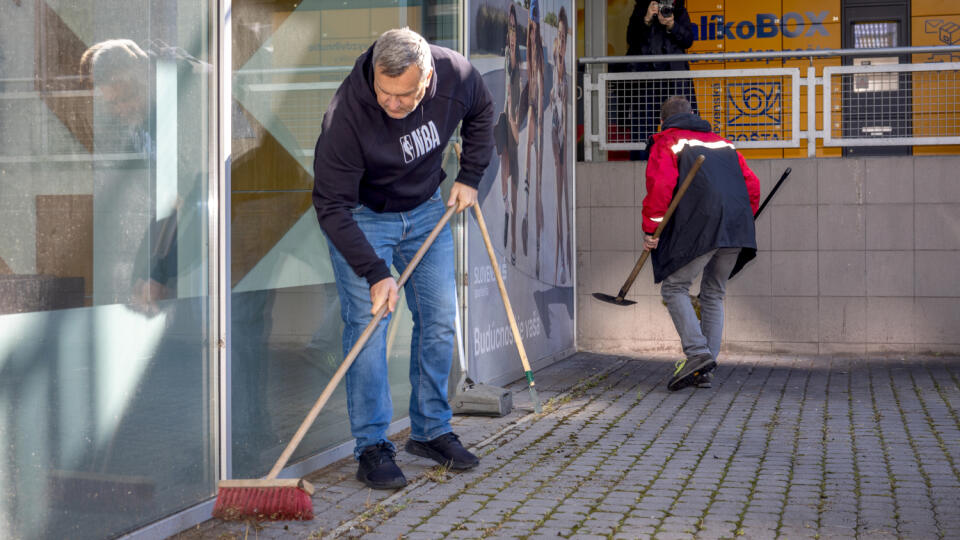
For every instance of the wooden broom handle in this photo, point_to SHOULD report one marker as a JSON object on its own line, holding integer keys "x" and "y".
{"x": 503, "y": 289}
{"x": 666, "y": 217}
{"x": 354, "y": 351}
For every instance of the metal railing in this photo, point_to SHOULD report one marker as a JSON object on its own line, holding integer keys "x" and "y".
{"x": 861, "y": 105}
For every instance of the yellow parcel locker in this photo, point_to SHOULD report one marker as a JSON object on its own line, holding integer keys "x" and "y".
{"x": 934, "y": 7}
{"x": 935, "y": 93}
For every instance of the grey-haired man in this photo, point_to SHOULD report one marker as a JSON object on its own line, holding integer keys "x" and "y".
{"x": 377, "y": 171}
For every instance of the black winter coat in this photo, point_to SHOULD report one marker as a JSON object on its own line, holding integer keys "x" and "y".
{"x": 654, "y": 39}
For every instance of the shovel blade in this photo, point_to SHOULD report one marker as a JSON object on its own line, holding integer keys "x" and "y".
{"x": 613, "y": 299}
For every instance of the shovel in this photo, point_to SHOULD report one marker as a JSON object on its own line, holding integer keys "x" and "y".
{"x": 619, "y": 300}
{"x": 744, "y": 258}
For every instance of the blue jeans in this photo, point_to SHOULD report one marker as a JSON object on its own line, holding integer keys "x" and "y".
{"x": 703, "y": 336}
{"x": 431, "y": 297}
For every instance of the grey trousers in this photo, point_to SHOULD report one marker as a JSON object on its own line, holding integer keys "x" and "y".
{"x": 703, "y": 336}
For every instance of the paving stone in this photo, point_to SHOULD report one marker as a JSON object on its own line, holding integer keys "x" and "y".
{"x": 615, "y": 461}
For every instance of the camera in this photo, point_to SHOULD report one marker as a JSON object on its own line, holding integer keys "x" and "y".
{"x": 666, "y": 8}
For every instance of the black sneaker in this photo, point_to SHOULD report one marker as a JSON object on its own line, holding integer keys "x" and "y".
{"x": 445, "y": 450}
{"x": 705, "y": 380}
{"x": 377, "y": 468}
{"x": 689, "y": 369}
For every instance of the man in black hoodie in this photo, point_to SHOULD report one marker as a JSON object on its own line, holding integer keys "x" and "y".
{"x": 377, "y": 176}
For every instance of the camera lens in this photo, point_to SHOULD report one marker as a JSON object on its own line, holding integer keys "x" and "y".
{"x": 666, "y": 11}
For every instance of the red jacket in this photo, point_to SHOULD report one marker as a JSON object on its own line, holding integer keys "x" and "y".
{"x": 717, "y": 210}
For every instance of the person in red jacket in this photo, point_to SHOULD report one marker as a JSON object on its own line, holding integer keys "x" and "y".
{"x": 708, "y": 229}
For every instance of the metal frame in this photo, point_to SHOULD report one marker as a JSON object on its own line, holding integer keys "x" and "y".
{"x": 830, "y": 140}
{"x": 761, "y": 55}
{"x": 793, "y": 73}
{"x": 594, "y": 83}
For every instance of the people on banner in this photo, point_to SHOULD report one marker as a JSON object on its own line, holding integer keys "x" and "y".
{"x": 534, "y": 93}
{"x": 507, "y": 134}
{"x": 559, "y": 97}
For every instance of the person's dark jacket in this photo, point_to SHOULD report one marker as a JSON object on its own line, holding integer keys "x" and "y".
{"x": 655, "y": 39}
{"x": 364, "y": 157}
{"x": 718, "y": 207}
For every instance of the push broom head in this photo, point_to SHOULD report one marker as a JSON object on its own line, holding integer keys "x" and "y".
{"x": 264, "y": 500}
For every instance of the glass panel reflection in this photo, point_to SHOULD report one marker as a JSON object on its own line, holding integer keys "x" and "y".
{"x": 104, "y": 294}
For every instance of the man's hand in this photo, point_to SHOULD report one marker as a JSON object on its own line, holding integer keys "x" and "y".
{"x": 146, "y": 293}
{"x": 649, "y": 242}
{"x": 666, "y": 21}
{"x": 462, "y": 195}
{"x": 652, "y": 10}
{"x": 382, "y": 291}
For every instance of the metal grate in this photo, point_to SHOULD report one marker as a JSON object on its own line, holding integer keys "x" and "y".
{"x": 756, "y": 108}
{"x": 890, "y": 105}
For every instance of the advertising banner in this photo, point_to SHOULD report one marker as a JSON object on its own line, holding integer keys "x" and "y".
{"x": 525, "y": 52}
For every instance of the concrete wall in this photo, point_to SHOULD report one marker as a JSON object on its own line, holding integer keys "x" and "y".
{"x": 856, "y": 256}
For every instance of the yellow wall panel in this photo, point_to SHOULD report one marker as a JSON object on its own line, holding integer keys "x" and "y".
{"x": 826, "y": 11}
{"x": 939, "y": 150}
{"x": 935, "y": 7}
{"x": 936, "y": 30}
{"x": 709, "y": 36}
{"x": 761, "y": 153}
{"x": 747, "y": 11}
{"x": 827, "y": 36}
{"x": 705, "y": 5}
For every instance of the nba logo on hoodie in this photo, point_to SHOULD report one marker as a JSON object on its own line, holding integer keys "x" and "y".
{"x": 419, "y": 141}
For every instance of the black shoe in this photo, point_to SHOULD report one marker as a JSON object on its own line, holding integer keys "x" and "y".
{"x": 506, "y": 228}
{"x": 538, "y": 256}
{"x": 705, "y": 380}
{"x": 377, "y": 468}
{"x": 445, "y": 450}
{"x": 523, "y": 234}
{"x": 689, "y": 369}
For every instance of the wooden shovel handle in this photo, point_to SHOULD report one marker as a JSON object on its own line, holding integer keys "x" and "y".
{"x": 666, "y": 217}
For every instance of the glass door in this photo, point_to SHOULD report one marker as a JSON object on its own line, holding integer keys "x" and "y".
{"x": 105, "y": 289}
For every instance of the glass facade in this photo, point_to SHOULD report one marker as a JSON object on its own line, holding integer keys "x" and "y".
{"x": 112, "y": 413}
{"x": 105, "y": 289}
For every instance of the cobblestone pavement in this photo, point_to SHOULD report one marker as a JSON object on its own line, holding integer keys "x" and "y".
{"x": 781, "y": 447}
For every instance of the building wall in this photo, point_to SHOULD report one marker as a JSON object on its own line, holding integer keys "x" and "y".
{"x": 856, "y": 256}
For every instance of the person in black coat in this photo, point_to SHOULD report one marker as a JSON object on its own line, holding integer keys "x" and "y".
{"x": 657, "y": 28}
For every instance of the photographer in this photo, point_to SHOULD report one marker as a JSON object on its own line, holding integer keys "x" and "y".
{"x": 657, "y": 28}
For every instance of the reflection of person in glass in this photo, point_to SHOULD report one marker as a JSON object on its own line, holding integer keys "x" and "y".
{"x": 507, "y": 133}
{"x": 655, "y": 28}
{"x": 534, "y": 92}
{"x": 377, "y": 203}
{"x": 559, "y": 98}
{"x": 119, "y": 72}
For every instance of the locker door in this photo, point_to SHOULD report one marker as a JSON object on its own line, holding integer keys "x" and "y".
{"x": 876, "y": 105}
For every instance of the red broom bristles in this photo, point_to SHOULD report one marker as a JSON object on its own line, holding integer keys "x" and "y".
{"x": 263, "y": 504}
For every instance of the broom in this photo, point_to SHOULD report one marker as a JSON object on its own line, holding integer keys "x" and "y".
{"x": 528, "y": 372}
{"x": 281, "y": 499}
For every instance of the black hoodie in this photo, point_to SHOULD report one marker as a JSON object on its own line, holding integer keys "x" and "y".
{"x": 393, "y": 165}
